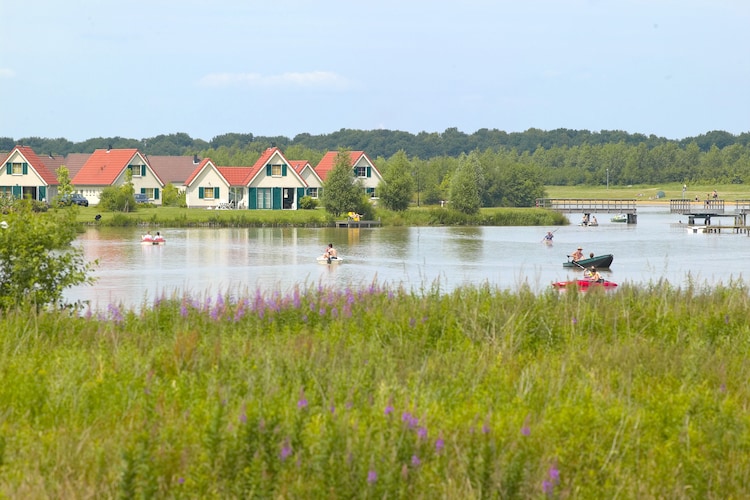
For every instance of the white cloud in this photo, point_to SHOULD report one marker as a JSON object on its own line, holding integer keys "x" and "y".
{"x": 313, "y": 79}
{"x": 7, "y": 73}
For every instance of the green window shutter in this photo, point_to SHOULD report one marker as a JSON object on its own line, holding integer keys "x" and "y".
{"x": 369, "y": 171}
{"x": 268, "y": 170}
{"x": 300, "y": 194}
{"x": 252, "y": 198}
{"x": 200, "y": 193}
{"x": 42, "y": 192}
{"x": 143, "y": 190}
{"x": 16, "y": 191}
{"x": 216, "y": 193}
{"x": 25, "y": 168}
{"x": 8, "y": 168}
{"x": 276, "y": 199}
{"x": 283, "y": 170}
{"x": 143, "y": 170}
{"x": 156, "y": 193}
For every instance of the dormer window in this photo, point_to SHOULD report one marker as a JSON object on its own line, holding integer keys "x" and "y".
{"x": 276, "y": 170}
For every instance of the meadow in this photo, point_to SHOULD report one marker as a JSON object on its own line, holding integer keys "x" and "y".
{"x": 382, "y": 393}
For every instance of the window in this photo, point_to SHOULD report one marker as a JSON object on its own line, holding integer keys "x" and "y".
{"x": 264, "y": 198}
{"x": 370, "y": 192}
{"x": 150, "y": 193}
{"x": 18, "y": 169}
{"x": 136, "y": 169}
{"x": 312, "y": 192}
{"x": 208, "y": 193}
{"x": 360, "y": 171}
{"x": 276, "y": 170}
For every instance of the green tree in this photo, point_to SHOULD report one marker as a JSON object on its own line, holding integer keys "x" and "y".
{"x": 398, "y": 184}
{"x": 171, "y": 196}
{"x": 37, "y": 260}
{"x": 64, "y": 186}
{"x": 340, "y": 193}
{"x": 465, "y": 183}
{"x": 119, "y": 199}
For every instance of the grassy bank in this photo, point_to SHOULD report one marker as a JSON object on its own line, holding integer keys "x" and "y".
{"x": 379, "y": 393}
{"x": 647, "y": 193}
{"x": 423, "y": 216}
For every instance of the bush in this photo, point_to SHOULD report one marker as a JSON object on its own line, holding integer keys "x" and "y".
{"x": 308, "y": 203}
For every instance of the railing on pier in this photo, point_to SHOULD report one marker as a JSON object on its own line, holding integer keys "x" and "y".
{"x": 588, "y": 205}
{"x": 704, "y": 207}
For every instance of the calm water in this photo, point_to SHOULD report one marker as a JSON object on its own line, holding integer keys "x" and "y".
{"x": 209, "y": 261}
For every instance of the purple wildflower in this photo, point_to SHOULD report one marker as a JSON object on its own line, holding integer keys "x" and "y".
{"x": 554, "y": 474}
{"x": 412, "y": 322}
{"x": 389, "y": 409}
{"x": 181, "y": 480}
{"x": 439, "y": 444}
{"x": 183, "y": 310}
{"x": 547, "y": 487}
{"x": 422, "y": 433}
{"x": 574, "y": 320}
{"x": 302, "y": 403}
{"x": 372, "y": 476}
{"x": 415, "y": 461}
{"x": 286, "y": 451}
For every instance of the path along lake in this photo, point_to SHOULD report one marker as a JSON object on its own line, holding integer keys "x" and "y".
{"x": 208, "y": 261}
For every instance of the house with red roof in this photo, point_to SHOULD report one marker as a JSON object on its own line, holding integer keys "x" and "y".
{"x": 310, "y": 176}
{"x": 109, "y": 167}
{"x": 270, "y": 184}
{"x": 363, "y": 169}
{"x": 26, "y": 175}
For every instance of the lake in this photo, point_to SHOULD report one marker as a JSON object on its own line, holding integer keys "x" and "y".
{"x": 203, "y": 261}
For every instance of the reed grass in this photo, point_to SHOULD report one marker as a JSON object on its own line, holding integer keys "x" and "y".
{"x": 381, "y": 392}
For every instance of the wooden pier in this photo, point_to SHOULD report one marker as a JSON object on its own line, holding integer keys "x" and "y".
{"x": 707, "y": 210}
{"x": 588, "y": 206}
{"x": 357, "y": 223}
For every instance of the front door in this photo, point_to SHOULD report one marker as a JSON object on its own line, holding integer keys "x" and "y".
{"x": 288, "y": 199}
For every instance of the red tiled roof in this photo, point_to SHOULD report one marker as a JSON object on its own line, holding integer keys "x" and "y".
{"x": 74, "y": 162}
{"x": 236, "y": 176}
{"x": 329, "y": 160}
{"x": 36, "y": 163}
{"x": 103, "y": 167}
{"x": 298, "y": 165}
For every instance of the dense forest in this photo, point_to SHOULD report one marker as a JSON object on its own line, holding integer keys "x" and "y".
{"x": 557, "y": 157}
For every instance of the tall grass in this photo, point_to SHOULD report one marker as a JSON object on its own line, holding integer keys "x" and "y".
{"x": 380, "y": 393}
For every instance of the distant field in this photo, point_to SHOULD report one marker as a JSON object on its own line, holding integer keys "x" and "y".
{"x": 648, "y": 192}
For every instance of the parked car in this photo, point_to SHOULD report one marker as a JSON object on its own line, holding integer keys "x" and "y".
{"x": 141, "y": 198}
{"x": 74, "y": 199}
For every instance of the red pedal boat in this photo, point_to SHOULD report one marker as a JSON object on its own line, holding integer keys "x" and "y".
{"x": 584, "y": 284}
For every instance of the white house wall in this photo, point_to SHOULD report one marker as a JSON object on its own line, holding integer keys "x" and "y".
{"x": 208, "y": 177}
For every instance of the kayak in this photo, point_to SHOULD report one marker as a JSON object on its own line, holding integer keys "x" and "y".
{"x": 332, "y": 260}
{"x": 600, "y": 262}
{"x": 584, "y": 284}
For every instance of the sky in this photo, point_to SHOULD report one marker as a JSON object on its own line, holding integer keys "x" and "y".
{"x": 81, "y": 69}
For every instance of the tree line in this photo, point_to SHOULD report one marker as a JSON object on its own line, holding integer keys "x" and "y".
{"x": 513, "y": 165}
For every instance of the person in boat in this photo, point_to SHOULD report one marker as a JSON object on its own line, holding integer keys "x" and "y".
{"x": 147, "y": 236}
{"x": 548, "y": 237}
{"x": 158, "y": 237}
{"x": 594, "y": 222}
{"x": 577, "y": 255}
{"x": 593, "y": 275}
{"x": 330, "y": 253}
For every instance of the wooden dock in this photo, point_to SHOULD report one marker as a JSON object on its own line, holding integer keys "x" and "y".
{"x": 357, "y": 223}
{"x": 588, "y": 206}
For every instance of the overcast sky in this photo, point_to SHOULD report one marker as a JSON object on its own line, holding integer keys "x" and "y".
{"x": 81, "y": 69}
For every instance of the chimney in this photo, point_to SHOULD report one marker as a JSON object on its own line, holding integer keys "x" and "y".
{"x": 109, "y": 148}
{"x": 196, "y": 160}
